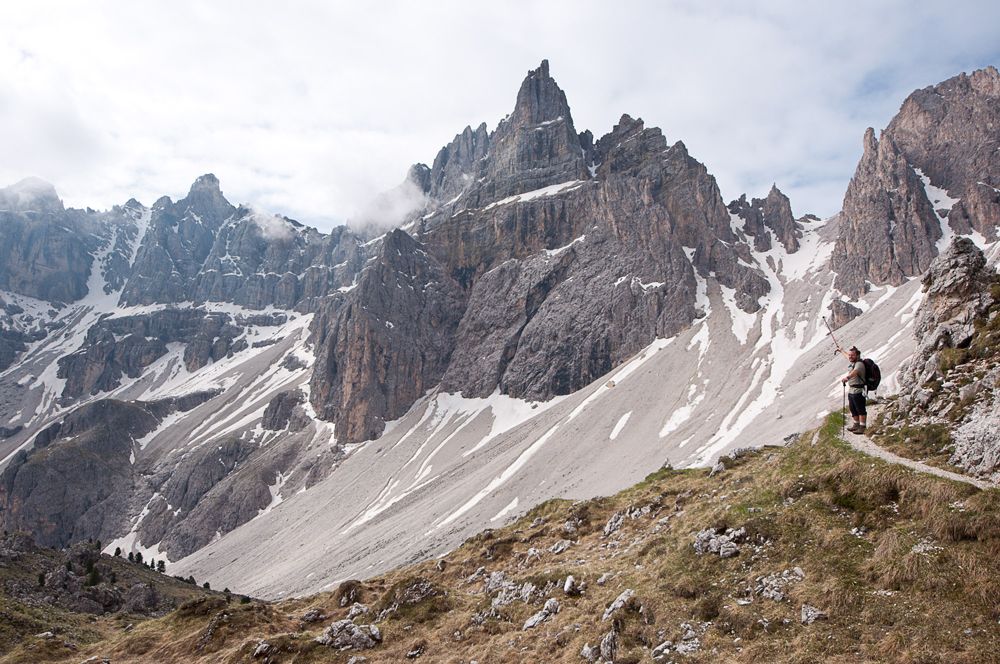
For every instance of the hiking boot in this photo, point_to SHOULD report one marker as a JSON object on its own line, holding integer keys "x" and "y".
{"x": 859, "y": 429}
{"x": 855, "y": 428}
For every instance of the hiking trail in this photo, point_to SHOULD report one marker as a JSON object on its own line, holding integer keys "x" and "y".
{"x": 866, "y": 446}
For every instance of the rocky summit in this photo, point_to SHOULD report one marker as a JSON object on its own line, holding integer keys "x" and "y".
{"x": 274, "y": 408}
{"x": 930, "y": 174}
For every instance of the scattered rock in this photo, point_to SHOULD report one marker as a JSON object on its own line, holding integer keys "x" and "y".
{"x": 560, "y": 546}
{"x": 263, "y": 649}
{"x": 609, "y": 646}
{"x": 811, "y": 614}
{"x": 356, "y": 610}
{"x": 773, "y": 586}
{"x": 620, "y": 602}
{"x": 719, "y": 542}
{"x": 344, "y": 634}
{"x": 313, "y": 615}
{"x": 661, "y": 651}
{"x": 614, "y": 523}
{"x": 570, "y": 586}
{"x": 536, "y": 619}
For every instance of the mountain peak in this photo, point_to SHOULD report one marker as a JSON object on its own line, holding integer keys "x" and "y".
{"x": 540, "y": 99}
{"x": 207, "y": 181}
{"x": 31, "y": 194}
{"x": 205, "y": 199}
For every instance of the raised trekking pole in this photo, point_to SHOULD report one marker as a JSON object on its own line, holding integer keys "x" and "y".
{"x": 832, "y": 336}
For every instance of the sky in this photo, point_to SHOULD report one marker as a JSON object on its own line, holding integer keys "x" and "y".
{"x": 310, "y": 109}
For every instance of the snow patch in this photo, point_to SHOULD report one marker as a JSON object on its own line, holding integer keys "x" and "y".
{"x": 622, "y": 421}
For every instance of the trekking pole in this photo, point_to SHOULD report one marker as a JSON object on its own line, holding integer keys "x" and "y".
{"x": 832, "y": 335}
{"x": 843, "y": 414}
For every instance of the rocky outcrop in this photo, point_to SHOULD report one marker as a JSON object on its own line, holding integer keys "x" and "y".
{"x": 953, "y": 377}
{"x": 941, "y": 146}
{"x": 259, "y": 260}
{"x": 202, "y": 248}
{"x": 46, "y": 255}
{"x": 842, "y": 313}
{"x": 386, "y": 342}
{"x": 536, "y": 145}
{"x": 178, "y": 241}
{"x": 456, "y": 166}
{"x": 126, "y": 345}
{"x": 888, "y": 226}
{"x": 549, "y": 310}
{"x": 281, "y": 409}
{"x": 560, "y": 284}
{"x": 77, "y": 480}
{"x": 75, "y": 483}
{"x": 774, "y": 214}
{"x": 948, "y": 131}
{"x": 956, "y": 293}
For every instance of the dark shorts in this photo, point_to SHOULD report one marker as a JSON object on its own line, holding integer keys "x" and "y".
{"x": 857, "y": 403}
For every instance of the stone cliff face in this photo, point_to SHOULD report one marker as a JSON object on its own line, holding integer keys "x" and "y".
{"x": 949, "y": 131}
{"x": 564, "y": 289}
{"x": 46, "y": 255}
{"x": 201, "y": 248}
{"x": 953, "y": 378}
{"x": 563, "y": 257}
{"x": 936, "y": 163}
{"x": 386, "y": 342}
{"x": 84, "y": 457}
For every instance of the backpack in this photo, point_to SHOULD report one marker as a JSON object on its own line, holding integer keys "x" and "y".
{"x": 873, "y": 375}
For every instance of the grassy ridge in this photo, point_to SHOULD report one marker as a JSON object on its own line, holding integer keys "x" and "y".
{"x": 905, "y": 566}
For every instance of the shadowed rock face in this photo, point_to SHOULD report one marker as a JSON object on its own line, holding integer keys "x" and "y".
{"x": 46, "y": 253}
{"x": 888, "y": 228}
{"x": 536, "y": 145}
{"x": 384, "y": 344}
{"x": 177, "y": 243}
{"x": 76, "y": 482}
{"x": 890, "y": 225}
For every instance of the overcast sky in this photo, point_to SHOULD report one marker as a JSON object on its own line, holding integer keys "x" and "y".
{"x": 310, "y": 108}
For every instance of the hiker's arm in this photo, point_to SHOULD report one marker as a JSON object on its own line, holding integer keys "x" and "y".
{"x": 854, "y": 373}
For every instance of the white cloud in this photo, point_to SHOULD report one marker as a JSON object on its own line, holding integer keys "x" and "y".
{"x": 312, "y": 109}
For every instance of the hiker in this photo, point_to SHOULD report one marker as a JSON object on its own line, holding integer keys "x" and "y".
{"x": 855, "y": 383}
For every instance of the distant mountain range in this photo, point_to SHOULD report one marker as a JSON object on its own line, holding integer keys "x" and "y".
{"x": 237, "y": 392}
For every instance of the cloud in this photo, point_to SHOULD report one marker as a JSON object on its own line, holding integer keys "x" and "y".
{"x": 272, "y": 227}
{"x": 312, "y": 113}
{"x": 389, "y": 209}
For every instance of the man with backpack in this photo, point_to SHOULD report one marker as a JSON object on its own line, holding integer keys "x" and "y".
{"x": 856, "y": 381}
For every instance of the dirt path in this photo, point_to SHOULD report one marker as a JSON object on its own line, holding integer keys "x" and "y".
{"x": 865, "y": 445}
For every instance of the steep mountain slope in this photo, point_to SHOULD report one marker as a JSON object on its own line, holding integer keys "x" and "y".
{"x": 559, "y": 318}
